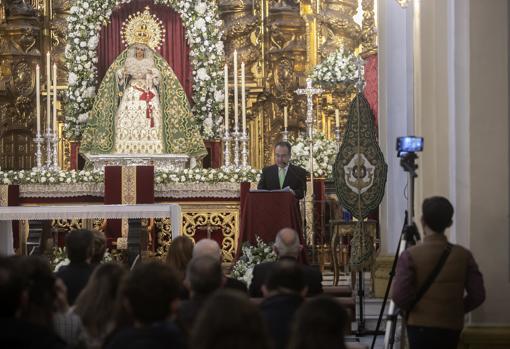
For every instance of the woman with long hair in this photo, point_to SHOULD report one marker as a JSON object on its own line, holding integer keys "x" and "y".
{"x": 320, "y": 323}
{"x": 179, "y": 254}
{"x": 97, "y": 303}
{"x": 229, "y": 321}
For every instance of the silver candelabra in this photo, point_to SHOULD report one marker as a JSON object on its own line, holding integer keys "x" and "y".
{"x": 236, "y": 134}
{"x": 49, "y": 140}
{"x": 226, "y": 153}
{"x": 38, "y": 140}
{"x": 285, "y": 135}
{"x": 54, "y": 150}
{"x": 244, "y": 149}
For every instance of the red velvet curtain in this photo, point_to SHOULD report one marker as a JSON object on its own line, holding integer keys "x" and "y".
{"x": 174, "y": 49}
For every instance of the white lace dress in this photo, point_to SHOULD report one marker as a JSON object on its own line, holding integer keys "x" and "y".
{"x": 138, "y": 128}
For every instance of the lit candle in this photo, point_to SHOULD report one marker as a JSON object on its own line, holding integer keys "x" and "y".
{"x": 285, "y": 117}
{"x": 236, "y": 97}
{"x": 337, "y": 118}
{"x": 48, "y": 89}
{"x": 243, "y": 97}
{"x": 55, "y": 127}
{"x": 226, "y": 97}
{"x": 38, "y": 98}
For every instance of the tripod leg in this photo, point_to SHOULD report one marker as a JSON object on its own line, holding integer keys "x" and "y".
{"x": 361, "y": 294}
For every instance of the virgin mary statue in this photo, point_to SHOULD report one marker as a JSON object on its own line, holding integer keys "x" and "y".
{"x": 141, "y": 108}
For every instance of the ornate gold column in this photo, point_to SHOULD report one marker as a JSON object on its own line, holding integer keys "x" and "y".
{"x": 20, "y": 39}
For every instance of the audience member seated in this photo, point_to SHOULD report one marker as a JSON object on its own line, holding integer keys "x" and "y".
{"x": 229, "y": 321}
{"x": 178, "y": 256}
{"x": 96, "y": 303}
{"x": 319, "y": 324}
{"x": 99, "y": 248}
{"x": 150, "y": 295}
{"x": 27, "y": 296}
{"x": 287, "y": 247}
{"x": 209, "y": 247}
{"x": 284, "y": 292}
{"x": 203, "y": 277}
{"x": 79, "y": 249}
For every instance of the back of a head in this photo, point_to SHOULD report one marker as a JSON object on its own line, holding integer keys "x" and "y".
{"x": 207, "y": 247}
{"x": 437, "y": 213}
{"x": 287, "y": 276}
{"x": 41, "y": 290}
{"x": 96, "y": 303}
{"x": 287, "y": 243}
{"x": 99, "y": 247}
{"x": 150, "y": 289}
{"x": 320, "y": 323}
{"x": 229, "y": 321}
{"x": 180, "y": 253}
{"x": 204, "y": 275}
{"x": 11, "y": 286}
{"x": 79, "y": 245}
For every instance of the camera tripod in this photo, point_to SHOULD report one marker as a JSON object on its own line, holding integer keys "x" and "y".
{"x": 408, "y": 237}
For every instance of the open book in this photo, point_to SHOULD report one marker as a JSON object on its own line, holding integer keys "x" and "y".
{"x": 284, "y": 190}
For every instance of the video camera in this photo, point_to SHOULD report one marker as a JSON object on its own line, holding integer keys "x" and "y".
{"x": 409, "y": 144}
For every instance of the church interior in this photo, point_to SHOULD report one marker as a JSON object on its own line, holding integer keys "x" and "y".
{"x": 148, "y": 120}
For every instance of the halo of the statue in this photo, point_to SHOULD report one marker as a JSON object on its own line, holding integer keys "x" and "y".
{"x": 203, "y": 33}
{"x": 143, "y": 28}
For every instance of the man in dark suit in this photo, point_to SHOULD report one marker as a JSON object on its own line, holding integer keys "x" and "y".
{"x": 283, "y": 174}
{"x": 286, "y": 246}
{"x": 209, "y": 247}
{"x": 79, "y": 248}
{"x": 284, "y": 291}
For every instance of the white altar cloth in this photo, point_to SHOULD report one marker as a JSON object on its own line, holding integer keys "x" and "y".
{"x": 7, "y": 214}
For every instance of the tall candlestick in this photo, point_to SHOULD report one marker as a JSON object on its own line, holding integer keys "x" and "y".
{"x": 226, "y": 97}
{"x": 243, "y": 97}
{"x": 337, "y": 118}
{"x": 55, "y": 128}
{"x": 236, "y": 95}
{"x": 48, "y": 89}
{"x": 285, "y": 117}
{"x": 38, "y": 97}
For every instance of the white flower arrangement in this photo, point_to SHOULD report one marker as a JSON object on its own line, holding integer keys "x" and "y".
{"x": 203, "y": 34}
{"x": 324, "y": 154}
{"x": 50, "y": 177}
{"x": 198, "y": 175}
{"x": 338, "y": 67}
{"x": 251, "y": 256}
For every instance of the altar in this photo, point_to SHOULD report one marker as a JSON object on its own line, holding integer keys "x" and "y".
{"x": 167, "y": 102}
{"x": 159, "y": 161}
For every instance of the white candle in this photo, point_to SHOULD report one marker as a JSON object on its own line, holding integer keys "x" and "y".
{"x": 337, "y": 118}
{"x": 55, "y": 126}
{"x": 38, "y": 98}
{"x": 48, "y": 89}
{"x": 226, "y": 97}
{"x": 243, "y": 97}
{"x": 236, "y": 95}
{"x": 285, "y": 117}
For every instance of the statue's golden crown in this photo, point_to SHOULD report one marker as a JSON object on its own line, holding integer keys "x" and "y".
{"x": 143, "y": 28}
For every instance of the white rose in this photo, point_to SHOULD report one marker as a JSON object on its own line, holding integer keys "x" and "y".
{"x": 219, "y": 96}
{"x": 202, "y": 74}
{"x": 93, "y": 42}
{"x": 82, "y": 118}
{"x": 201, "y": 7}
{"x": 200, "y": 24}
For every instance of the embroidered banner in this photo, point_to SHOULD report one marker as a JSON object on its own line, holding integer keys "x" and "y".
{"x": 360, "y": 176}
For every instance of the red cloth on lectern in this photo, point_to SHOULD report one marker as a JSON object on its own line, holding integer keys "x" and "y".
{"x": 265, "y": 213}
